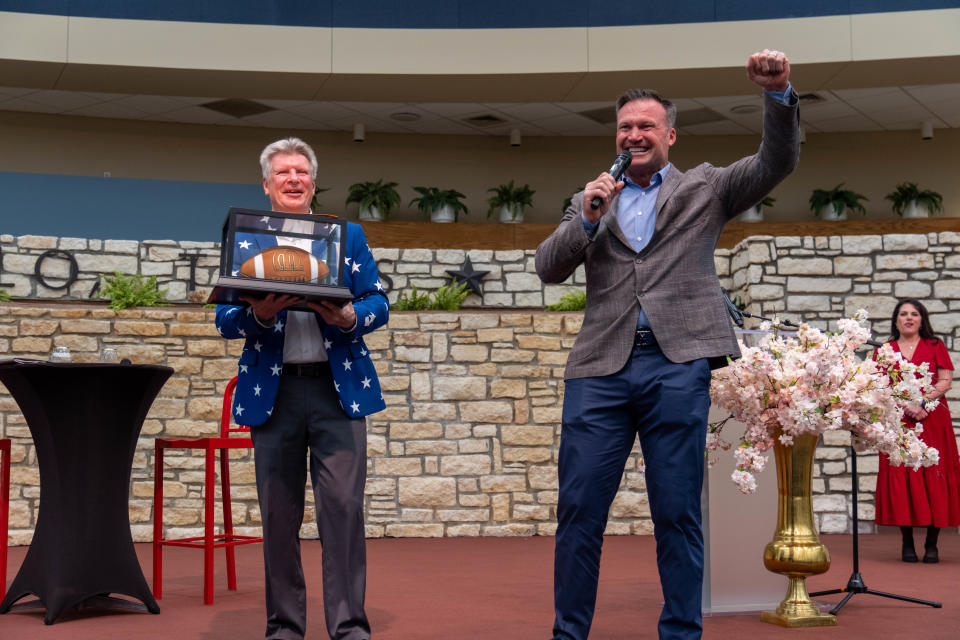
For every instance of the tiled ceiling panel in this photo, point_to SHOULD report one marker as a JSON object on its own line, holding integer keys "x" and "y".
{"x": 151, "y": 105}
{"x": 722, "y": 128}
{"x": 869, "y": 109}
{"x": 65, "y": 100}
{"x": 848, "y": 123}
{"x": 192, "y": 114}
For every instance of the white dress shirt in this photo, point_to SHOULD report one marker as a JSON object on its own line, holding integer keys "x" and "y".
{"x": 303, "y": 341}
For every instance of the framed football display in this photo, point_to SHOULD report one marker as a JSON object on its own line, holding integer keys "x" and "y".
{"x": 265, "y": 252}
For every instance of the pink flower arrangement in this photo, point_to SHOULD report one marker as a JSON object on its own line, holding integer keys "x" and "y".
{"x": 812, "y": 382}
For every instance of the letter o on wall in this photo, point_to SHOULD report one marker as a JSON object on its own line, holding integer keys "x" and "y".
{"x": 56, "y": 253}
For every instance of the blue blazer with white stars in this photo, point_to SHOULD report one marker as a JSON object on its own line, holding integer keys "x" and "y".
{"x": 354, "y": 375}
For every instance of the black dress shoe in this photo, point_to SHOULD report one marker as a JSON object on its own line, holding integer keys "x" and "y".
{"x": 909, "y": 554}
{"x": 931, "y": 555}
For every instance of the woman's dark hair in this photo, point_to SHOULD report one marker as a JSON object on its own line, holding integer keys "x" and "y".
{"x": 926, "y": 331}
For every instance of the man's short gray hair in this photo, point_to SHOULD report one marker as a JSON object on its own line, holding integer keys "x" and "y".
{"x": 649, "y": 94}
{"x": 287, "y": 145}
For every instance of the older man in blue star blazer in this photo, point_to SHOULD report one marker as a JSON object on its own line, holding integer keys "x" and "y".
{"x": 305, "y": 384}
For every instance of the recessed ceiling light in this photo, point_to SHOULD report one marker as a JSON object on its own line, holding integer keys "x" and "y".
{"x": 743, "y": 109}
{"x": 405, "y": 116}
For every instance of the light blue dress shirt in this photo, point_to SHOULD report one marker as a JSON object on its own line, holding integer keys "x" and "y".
{"x": 637, "y": 216}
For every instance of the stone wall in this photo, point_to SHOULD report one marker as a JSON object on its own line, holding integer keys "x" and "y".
{"x": 466, "y": 446}
{"x": 40, "y": 266}
{"x": 186, "y": 270}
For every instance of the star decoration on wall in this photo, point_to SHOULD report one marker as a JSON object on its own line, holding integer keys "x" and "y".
{"x": 470, "y": 276}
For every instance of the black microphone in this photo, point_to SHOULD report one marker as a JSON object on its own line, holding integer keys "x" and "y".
{"x": 735, "y": 313}
{"x": 624, "y": 158}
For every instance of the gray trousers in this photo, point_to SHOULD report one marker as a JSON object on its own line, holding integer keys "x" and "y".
{"x": 307, "y": 416}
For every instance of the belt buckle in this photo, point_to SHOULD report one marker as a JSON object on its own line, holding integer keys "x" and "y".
{"x": 298, "y": 369}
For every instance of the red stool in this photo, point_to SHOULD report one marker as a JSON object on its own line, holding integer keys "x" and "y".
{"x": 208, "y": 541}
{"x": 4, "y": 511}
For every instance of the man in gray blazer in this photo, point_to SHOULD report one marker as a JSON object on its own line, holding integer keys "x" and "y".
{"x": 655, "y": 325}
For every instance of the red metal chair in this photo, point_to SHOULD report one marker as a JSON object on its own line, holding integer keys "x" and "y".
{"x": 208, "y": 541}
{"x": 4, "y": 511}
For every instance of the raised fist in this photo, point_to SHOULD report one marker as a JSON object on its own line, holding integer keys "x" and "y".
{"x": 769, "y": 69}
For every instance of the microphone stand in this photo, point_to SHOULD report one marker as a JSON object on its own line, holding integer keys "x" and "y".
{"x": 737, "y": 315}
{"x": 855, "y": 584}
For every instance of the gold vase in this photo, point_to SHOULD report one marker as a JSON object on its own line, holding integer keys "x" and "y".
{"x": 796, "y": 550}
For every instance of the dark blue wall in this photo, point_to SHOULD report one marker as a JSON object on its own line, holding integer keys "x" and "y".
{"x": 461, "y": 14}
{"x": 119, "y": 208}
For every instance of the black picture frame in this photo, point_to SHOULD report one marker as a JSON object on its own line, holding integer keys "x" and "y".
{"x": 249, "y": 232}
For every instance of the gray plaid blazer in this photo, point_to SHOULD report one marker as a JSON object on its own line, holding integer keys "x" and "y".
{"x": 673, "y": 278}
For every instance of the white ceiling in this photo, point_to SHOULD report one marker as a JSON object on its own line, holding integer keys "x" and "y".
{"x": 881, "y": 109}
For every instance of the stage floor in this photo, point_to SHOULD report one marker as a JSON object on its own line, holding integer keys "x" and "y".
{"x": 501, "y": 588}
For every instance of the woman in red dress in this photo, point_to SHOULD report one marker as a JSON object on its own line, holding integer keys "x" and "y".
{"x": 930, "y": 496}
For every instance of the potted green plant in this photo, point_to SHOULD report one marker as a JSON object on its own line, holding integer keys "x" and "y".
{"x": 442, "y": 205}
{"x": 835, "y": 202}
{"x": 755, "y": 213}
{"x": 510, "y": 201}
{"x": 910, "y": 202}
{"x": 376, "y": 199}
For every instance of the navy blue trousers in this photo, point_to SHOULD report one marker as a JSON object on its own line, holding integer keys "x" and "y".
{"x": 665, "y": 404}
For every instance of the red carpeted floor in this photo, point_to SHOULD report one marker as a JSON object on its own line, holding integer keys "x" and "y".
{"x": 501, "y": 588}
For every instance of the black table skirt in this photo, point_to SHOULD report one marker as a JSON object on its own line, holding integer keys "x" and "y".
{"x": 85, "y": 420}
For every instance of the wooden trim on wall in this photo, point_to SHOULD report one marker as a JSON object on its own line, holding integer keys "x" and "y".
{"x": 457, "y": 235}
{"x": 737, "y": 231}
{"x": 503, "y": 237}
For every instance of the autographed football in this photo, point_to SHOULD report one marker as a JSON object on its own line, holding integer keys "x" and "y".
{"x": 289, "y": 264}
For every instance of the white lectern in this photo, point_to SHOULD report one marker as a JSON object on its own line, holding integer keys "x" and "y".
{"x": 736, "y": 529}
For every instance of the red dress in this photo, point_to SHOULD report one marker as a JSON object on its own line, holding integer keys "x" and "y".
{"x": 929, "y": 495}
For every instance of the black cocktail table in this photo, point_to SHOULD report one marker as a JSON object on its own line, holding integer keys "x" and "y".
{"x": 85, "y": 420}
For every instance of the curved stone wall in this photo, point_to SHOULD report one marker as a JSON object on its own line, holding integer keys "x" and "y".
{"x": 468, "y": 442}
